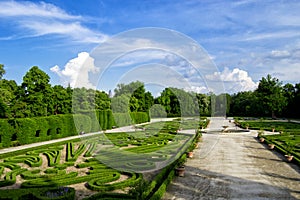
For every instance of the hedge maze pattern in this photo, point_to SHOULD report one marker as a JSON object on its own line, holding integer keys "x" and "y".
{"x": 103, "y": 163}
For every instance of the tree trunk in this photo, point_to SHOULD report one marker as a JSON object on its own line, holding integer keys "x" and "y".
{"x": 273, "y": 115}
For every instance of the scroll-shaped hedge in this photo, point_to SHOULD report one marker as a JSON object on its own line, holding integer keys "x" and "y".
{"x": 106, "y": 179}
{"x": 52, "y": 181}
{"x": 134, "y": 178}
{"x": 73, "y": 155}
{"x": 35, "y": 174}
{"x": 31, "y": 160}
{"x": 140, "y": 165}
{"x": 90, "y": 150}
{"x": 10, "y": 177}
{"x": 53, "y": 157}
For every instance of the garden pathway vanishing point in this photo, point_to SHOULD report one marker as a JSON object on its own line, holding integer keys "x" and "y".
{"x": 235, "y": 166}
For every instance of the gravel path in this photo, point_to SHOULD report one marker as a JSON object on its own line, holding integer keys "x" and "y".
{"x": 235, "y": 166}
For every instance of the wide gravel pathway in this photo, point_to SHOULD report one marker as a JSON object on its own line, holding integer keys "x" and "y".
{"x": 235, "y": 166}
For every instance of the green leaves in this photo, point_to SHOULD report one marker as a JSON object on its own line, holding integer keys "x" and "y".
{"x": 270, "y": 93}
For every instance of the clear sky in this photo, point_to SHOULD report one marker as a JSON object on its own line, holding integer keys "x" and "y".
{"x": 246, "y": 39}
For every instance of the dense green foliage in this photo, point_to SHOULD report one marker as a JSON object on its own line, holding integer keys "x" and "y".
{"x": 51, "y": 182}
{"x": 271, "y": 99}
{"x": 21, "y": 131}
{"x": 36, "y": 97}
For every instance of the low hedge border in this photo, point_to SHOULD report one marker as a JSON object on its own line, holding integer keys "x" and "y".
{"x": 279, "y": 148}
{"x": 118, "y": 185}
{"x": 57, "y": 193}
{"x": 110, "y": 196}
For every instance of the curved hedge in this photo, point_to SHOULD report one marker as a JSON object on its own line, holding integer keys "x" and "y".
{"x": 134, "y": 178}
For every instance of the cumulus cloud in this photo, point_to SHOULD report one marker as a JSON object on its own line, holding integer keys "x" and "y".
{"x": 197, "y": 89}
{"x": 234, "y": 80}
{"x": 76, "y": 71}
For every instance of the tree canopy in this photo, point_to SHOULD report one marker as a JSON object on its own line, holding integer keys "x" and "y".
{"x": 35, "y": 96}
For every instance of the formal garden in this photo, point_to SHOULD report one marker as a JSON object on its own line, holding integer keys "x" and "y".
{"x": 287, "y": 141}
{"x": 125, "y": 165}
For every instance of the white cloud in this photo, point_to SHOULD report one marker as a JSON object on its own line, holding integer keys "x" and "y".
{"x": 26, "y": 8}
{"x": 234, "y": 80}
{"x": 73, "y": 29}
{"x": 280, "y": 54}
{"x": 76, "y": 71}
{"x": 197, "y": 89}
{"x": 38, "y": 19}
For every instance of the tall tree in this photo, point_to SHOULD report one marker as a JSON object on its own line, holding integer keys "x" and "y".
{"x": 62, "y": 100}
{"x": 120, "y": 104}
{"x": 2, "y": 71}
{"x": 102, "y": 100}
{"x": 270, "y": 94}
{"x": 289, "y": 92}
{"x": 140, "y": 100}
{"x": 37, "y": 92}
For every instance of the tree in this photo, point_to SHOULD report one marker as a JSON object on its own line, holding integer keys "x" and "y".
{"x": 140, "y": 100}
{"x": 127, "y": 89}
{"x": 271, "y": 96}
{"x": 245, "y": 104}
{"x": 2, "y": 71}
{"x": 289, "y": 92}
{"x": 170, "y": 101}
{"x": 120, "y": 104}
{"x": 8, "y": 91}
{"x": 102, "y": 100}
{"x": 62, "y": 100}
{"x": 37, "y": 92}
{"x": 204, "y": 104}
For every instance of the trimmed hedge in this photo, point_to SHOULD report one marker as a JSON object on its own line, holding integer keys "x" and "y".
{"x": 20, "y": 131}
{"x": 59, "y": 193}
{"x": 134, "y": 178}
{"x": 110, "y": 196}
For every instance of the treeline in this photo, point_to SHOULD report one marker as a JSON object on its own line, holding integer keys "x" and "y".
{"x": 270, "y": 99}
{"x": 35, "y": 97}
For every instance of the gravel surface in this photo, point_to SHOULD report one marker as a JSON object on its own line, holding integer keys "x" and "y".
{"x": 235, "y": 166}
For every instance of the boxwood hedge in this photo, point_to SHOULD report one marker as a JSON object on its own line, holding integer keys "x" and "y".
{"x": 22, "y": 131}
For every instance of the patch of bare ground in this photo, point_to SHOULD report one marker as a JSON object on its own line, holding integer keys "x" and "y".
{"x": 128, "y": 147}
{"x": 80, "y": 171}
{"x": 82, "y": 191}
{"x": 44, "y": 165}
{"x": 63, "y": 154}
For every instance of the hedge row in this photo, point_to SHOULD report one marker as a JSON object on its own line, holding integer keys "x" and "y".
{"x": 60, "y": 193}
{"x": 20, "y": 131}
{"x": 53, "y": 157}
{"x": 134, "y": 178}
{"x": 110, "y": 196}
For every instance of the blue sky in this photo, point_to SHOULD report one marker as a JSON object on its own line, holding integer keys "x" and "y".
{"x": 246, "y": 39}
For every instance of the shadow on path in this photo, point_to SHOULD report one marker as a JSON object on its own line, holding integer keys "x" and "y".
{"x": 203, "y": 184}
